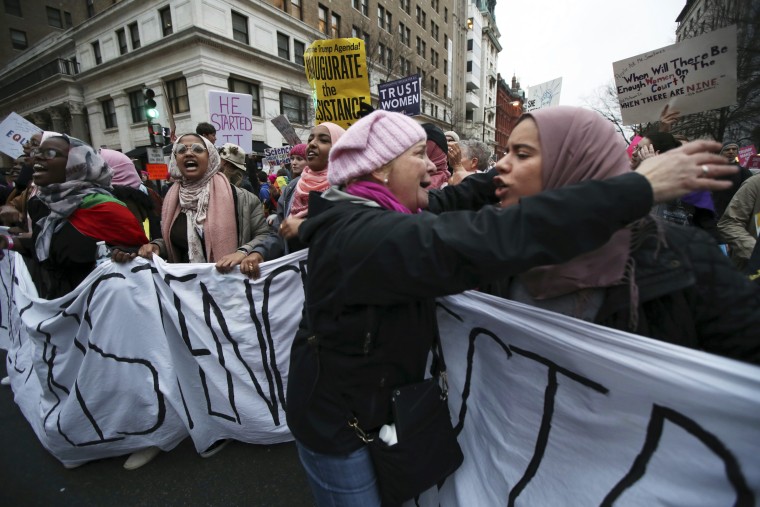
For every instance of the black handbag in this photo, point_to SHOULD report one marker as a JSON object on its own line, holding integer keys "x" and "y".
{"x": 427, "y": 450}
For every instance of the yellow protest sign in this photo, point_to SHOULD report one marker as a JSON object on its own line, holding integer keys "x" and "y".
{"x": 337, "y": 72}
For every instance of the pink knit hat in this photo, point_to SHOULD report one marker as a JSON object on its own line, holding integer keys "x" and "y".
{"x": 124, "y": 172}
{"x": 298, "y": 149}
{"x": 370, "y": 143}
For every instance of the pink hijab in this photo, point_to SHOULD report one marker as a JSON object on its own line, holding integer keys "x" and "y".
{"x": 124, "y": 172}
{"x": 313, "y": 181}
{"x": 577, "y": 145}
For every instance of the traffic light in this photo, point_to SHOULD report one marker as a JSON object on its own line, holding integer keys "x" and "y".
{"x": 151, "y": 113}
{"x": 156, "y": 134}
{"x": 167, "y": 133}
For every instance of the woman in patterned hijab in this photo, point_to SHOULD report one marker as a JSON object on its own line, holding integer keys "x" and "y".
{"x": 72, "y": 211}
{"x": 204, "y": 218}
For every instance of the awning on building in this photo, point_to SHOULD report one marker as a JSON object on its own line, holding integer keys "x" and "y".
{"x": 141, "y": 152}
{"x": 259, "y": 147}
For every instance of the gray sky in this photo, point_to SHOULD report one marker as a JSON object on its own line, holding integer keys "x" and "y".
{"x": 578, "y": 40}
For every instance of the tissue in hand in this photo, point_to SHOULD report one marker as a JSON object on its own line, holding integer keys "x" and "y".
{"x": 388, "y": 434}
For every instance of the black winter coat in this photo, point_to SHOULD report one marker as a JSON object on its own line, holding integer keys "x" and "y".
{"x": 690, "y": 294}
{"x": 373, "y": 274}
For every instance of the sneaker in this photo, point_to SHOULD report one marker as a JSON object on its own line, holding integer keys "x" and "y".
{"x": 141, "y": 457}
{"x": 6, "y": 381}
{"x": 215, "y": 448}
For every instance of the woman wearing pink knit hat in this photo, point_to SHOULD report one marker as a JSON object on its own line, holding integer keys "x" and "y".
{"x": 378, "y": 261}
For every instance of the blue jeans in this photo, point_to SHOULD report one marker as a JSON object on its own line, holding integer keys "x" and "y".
{"x": 341, "y": 480}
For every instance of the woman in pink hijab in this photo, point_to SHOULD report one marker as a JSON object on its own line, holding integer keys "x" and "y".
{"x": 313, "y": 179}
{"x": 652, "y": 278}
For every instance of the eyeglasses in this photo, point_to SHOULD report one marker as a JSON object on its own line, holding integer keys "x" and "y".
{"x": 46, "y": 153}
{"x": 195, "y": 147}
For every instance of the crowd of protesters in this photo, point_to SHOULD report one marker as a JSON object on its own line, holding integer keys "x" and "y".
{"x": 397, "y": 213}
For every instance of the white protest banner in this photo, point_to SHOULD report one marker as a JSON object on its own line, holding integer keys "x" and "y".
{"x": 144, "y": 355}
{"x": 695, "y": 75}
{"x": 556, "y": 411}
{"x": 402, "y": 95}
{"x": 232, "y": 116}
{"x": 544, "y": 95}
{"x": 549, "y": 410}
{"x": 15, "y": 131}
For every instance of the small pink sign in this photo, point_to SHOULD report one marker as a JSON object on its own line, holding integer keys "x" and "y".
{"x": 754, "y": 162}
{"x": 633, "y": 144}
{"x": 745, "y": 152}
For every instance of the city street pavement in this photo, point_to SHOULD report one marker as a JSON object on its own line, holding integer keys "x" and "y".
{"x": 241, "y": 474}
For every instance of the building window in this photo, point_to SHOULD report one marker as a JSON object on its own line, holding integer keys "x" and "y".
{"x": 294, "y": 107}
{"x": 54, "y": 17}
{"x": 90, "y": 8}
{"x": 362, "y": 6}
{"x": 335, "y": 26}
{"x": 435, "y": 4}
{"x": 434, "y": 30}
{"x": 421, "y": 16}
{"x": 13, "y": 7}
{"x": 283, "y": 46}
{"x": 137, "y": 105}
{"x": 322, "y": 19}
{"x": 389, "y": 59}
{"x": 18, "y": 39}
{"x": 96, "y": 52}
{"x": 446, "y": 14}
{"x": 445, "y": 67}
{"x": 381, "y": 53}
{"x": 405, "y": 5}
{"x": 176, "y": 90}
{"x": 295, "y": 9}
{"x": 421, "y": 47}
{"x": 109, "y": 113}
{"x": 298, "y": 50}
{"x": 67, "y": 18}
{"x": 239, "y": 27}
{"x": 240, "y": 86}
{"x": 134, "y": 34}
{"x": 357, "y": 33}
{"x": 404, "y": 33}
{"x": 469, "y": 66}
{"x": 469, "y": 44}
{"x": 280, "y": 4}
{"x": 121, "y": 37}
{"x": 166, "y": 20}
